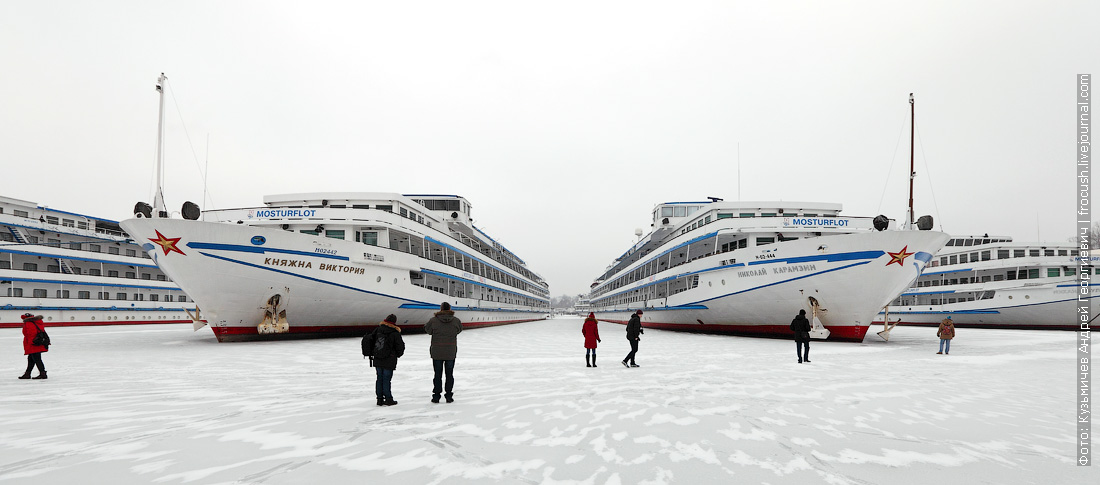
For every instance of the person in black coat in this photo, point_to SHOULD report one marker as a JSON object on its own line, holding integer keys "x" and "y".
{"x": 384, "y": 357}
{"x": 633, "y": 330}
{"x": 801, "y": 328}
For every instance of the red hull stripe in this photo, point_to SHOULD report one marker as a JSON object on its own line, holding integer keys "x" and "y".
{"x": 95, "y": 324}
{"x": 994, "y": 325}
{"x": 238, "y": 334}
{"x": 845, "y": 333}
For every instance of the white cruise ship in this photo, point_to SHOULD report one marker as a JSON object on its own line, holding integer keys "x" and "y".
{"x": 79, "y": 270}
{"x": 333, "y": 264}
{"x": 747, "y": 268}
{"x": 993, "y": 282}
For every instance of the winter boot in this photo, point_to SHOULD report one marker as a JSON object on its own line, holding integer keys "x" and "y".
{"x": 593, "y": 360}
{"x": 389, "y": 402}
{"x": 634, "y": 365}
{"x": 41, "y": 375}
{"x": 435, "y": 399}
{"x": 450, "y": 397}
{"x": 626, "y": 365}
{"x": 25, "y": 376}
{"x": 381, "y": 401}
{"x": 587, "y": 363}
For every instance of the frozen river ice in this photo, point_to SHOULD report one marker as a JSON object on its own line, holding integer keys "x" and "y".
{"x": 163, "y": 404}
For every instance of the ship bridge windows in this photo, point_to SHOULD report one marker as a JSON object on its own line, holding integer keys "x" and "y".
{"x": 762, "y": 241}
{"x": 747, "y": 215}
{"x": 1017, "y": 253}
{"x": 382, "y": 207}
{"x": 985, "y": 255}
{"x": 335, "y": 233}
{"x": 19, "y": 213}
{"x": 1054, "y": 272}
{"x": 370, "y": 238}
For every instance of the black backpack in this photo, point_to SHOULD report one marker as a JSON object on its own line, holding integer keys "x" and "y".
{"x": 41, "y": 338}
{"x": 376, "y": 346}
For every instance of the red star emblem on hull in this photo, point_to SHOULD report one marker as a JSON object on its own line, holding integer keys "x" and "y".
{"x": 168, "y": 244}
{"x": 898, "y": 257}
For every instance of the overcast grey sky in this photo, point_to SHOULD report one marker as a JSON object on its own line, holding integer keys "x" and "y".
{"x": 563, "y": 123}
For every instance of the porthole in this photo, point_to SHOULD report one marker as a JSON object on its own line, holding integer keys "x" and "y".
{"x": 1027, "y": 297}
{"x": 378, "y": 279}
{"x": 72, "y": 318}
{"x": 93, "y": 318}
{"x": 710, "y": 283}
{"x": 723, "y": 282}
{"x": 395, "y": 281}
{"x": 1009, "y": 297}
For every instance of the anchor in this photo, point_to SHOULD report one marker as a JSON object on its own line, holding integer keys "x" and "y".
{"x": 886, "y": 326}
{"x": 274, "y": 320}
{"x": 818, "y": 331}
{"x": 196, "y": 319}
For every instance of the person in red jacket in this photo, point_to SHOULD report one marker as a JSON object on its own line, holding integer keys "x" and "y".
{"x": 591, "y": 336}
{"x": 31, "y": 325}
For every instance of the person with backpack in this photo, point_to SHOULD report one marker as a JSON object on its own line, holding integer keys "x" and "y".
{"x": 444, "y": 328}
{"x": 946, "y": 332}
{"x": 591, "y": 333}
{"x": 32, "y": 325}
{"x": 633, "y": 332}
{"x": 384, "y": 346}
{"x": 801, "y": 328}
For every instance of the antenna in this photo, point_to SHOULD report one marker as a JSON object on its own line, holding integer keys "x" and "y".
{"x": 738, "y": 171}
{"x": 205, "y": 174}
{"x": 912, "y": 172}
{"x": 158, "y": 199}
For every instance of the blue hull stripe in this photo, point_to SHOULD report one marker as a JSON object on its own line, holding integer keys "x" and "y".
{"x": 311, "y": 278}
{"x": 781, "y": 282}
{"x": 259, "y": 250}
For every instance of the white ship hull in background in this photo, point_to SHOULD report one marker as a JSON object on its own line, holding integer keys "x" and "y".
{"x": 984, "y": 282}
{"x": 747, "y": 268}
{"x": 78, "y": 270}
{"x": 309, "y": 265}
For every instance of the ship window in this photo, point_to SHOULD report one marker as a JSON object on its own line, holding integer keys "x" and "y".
{"x": 94, "y": 248}
{"x": 62, "y": 293}
{"x": 943, "y": 260}
{"x": 360, "y": 206}
{"x": 1002, "y": 254}
{"x": 706, "y": 220}
{"x": 767, "y": 214}
{"x": 74, "y": 245}
{"x": 666, "y": 212}
{"x": 953, "y": 259}
{"x": 112, "y": 273}
{"x": 1022, "y": 274}
{"x": 160, "y": 277}
{"x": 139, "y": 297}
{"x": 387, "y": 208}
{"x": 1033, "y": 273}
{"x": 81, "y": 225}
{"x": 369, "y": 238}
{"x": 1033, "y": 252}
{"x": 338, "y": 206}
{"x": 1011, "y": 275}
{"x": 146, "y": 276}
{"x": 51, "y": 220}
{"x": 998, "y": 277}
{"x": 335, "y": 234}
{"x": 131, "y": 275}
{"x": 962, "y": 258}
{"x": 693, "y": 226}
{"x": 53, "y": 243}
{"x": 1054, "y": 272}
{"x": 154, "y": 297}
{"x": 680, "y": 211}
{"x": 1048, "y": 252}
{"x": 784, "y": 238}
{"x": 84, "y": 295}
{"x": 1062, "y": 252}
{"x": 19, "y": 213}
{"x": 311, "y": 232}
{"x": 747, "y": 214}
{"x": 725, "y": 216}
{"x": 761, "y": 241}
{"x": 30, "y": 267}
{"x": 183, "y": 298}
{"x": 93, "y": 272}
{"x": 985, "y": 279}
{"x": 404, "y": 213}
{"x": 809, "y": 215}
{"x": 1071, "y": 271}
{"x": 973, "y": 257}
{"x": 120, "y": 296}
{"x": 68, "y": 223}
{"x": 131, "y": 252}
{"x": 6, "y": 237}
{"x": 53, "y": 268}
{"x": 16, "y": 292}
{"x": 5, "y": 264}
{"x": 1017, "y": 253}
{"x": 112, "y": 250}
{"x": 104, "y": 295}
{"x": 985, "y": 255}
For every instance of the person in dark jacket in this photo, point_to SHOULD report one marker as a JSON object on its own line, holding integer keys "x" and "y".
{"x": 31, "y": 325}
{"x": 591, "y": 333}
{"x": 444, "y": 328}
{"x": 801, "y": 328}
{"x": 385, "y": 359}
{"x": 633, "y": 330}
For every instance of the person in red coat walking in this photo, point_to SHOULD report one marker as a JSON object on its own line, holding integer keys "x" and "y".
{"x": 591, "y": 334}
{"x": 31, "y": 325}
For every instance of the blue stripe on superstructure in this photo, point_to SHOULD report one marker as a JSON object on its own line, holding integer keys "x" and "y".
{"x": 467, "y": 280}
{"x": 260, "y": 250}
{"x": 318, "y": 280}
{"x": 499, "y": 244}
{"x": 929, "y": 292}
{"x": 73, "y": 258}
{"x": 468, "y": 255}
{"x": 781, "y": 282}
{"x": 93, "y": 309}
{"x": 121, "y": 237}
{"x": 426, "y": 306}
{"x": 81, "y": 283}
{"x": 991, "y": 310}
{"x": 946, "y": 272}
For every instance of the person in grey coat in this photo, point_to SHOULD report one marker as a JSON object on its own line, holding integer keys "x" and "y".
{"x": 444, "y": 328}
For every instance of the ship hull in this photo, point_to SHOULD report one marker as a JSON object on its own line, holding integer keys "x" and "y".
{"x": 1041, "y": 307}
{"x": 327, "y": 287}
{"x": 850, "y": 276}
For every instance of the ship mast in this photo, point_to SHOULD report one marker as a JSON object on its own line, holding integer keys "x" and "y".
{"x": 912, "y": 173}
{"x": 158, "y": 199}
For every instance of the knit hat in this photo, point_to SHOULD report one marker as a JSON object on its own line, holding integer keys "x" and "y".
{"x": 802, "y": 312}
{"x": 445, "y": 306}
{"x": 27, "y": 317}
{"x": 592, "y": 315}
{"x": 639, "y": 312}
{"x": 391, "y": 318}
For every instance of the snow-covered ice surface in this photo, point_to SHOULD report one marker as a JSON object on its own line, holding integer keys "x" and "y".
{"x": 160, "y": 404}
